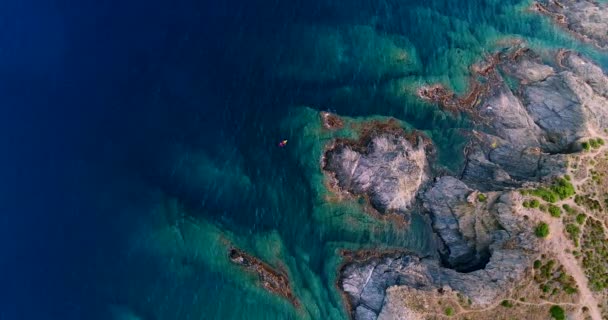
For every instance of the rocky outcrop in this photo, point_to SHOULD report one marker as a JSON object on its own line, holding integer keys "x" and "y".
{"x": 386, "y": 167}
{"x": 271, "y": 279}
{"x": 586, "y": 19}
{"x": 365, "y": 281}
{"x": 462, "y": 224}
{"x": 331, "y": 121}
{"x": 526, "y": 129}
{"x": 526, "y": 126}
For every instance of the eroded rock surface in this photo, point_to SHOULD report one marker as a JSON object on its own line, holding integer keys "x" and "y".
{"x": 365, "y": 280}
{"x": 528, "y": 126}
{"x": 463, "y": 225}
{"x": 531, "y": 114}
{"x": 386, "y": 167}
{"x": 586, "y": 19}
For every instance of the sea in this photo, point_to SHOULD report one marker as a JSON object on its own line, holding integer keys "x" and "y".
{"x": 140, "y": 141}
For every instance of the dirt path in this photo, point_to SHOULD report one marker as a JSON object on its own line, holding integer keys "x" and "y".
{"x": 562, "y": 248}
{"x": 573, "y": 268}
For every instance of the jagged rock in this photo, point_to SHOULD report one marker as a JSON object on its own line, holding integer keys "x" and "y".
{"x": 365, "y": 281}
{"x": 557, "y": 110}
{"x": 461, "y": 228}
{"x": 586, "y": 70}
{"x": 586, "y": 19}
{"x": 387, "y": 168}
{"x": 526, "y": 132}
{"x": 509, "y": 119}
{"x": 527, "y": 70}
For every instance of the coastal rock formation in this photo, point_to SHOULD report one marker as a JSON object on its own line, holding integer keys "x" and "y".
{"x": 586, "y": 19}
{"x": 462, "y": 225}
{"x": 387, "y": 167}
{"x": 331, "y": 121}
{"x": 271, "y": 279}
{"x": 528, "y": 127}
{"x": 531, "y": 114}
{"x": 365, "y": 281}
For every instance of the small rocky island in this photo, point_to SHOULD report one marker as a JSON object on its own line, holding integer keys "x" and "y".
{"x": 533, "y": 116}
{"x": 385, "y": 165}
{"x": 272, "y": 280}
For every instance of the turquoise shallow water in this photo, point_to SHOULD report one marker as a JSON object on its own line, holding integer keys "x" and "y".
{"x": 194, "y": 163}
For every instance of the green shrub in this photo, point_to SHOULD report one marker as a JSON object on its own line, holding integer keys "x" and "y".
{"x": 570, "y": 290}
{"x": 568, "y": 209}
{"x": 580, "y": 218}
{"x": 482, "y": 197}
{"x": 555, "y": 211}
{"x": 534, "y": 203}
{"x": 587, "y": 201}
{"x": 600, "y": 141}
{"x": 574, "y": 231}
{"x": 449, "y": 311}
{"x": 537, "y": 264}
{"x": 542, "y": 230}
{"x": 545, "y": 194}
{"x": 526, "y": 204}
{"x": 557, "y": 313}
{"x": 563, "y": 188}
{"x": 506, "y": 304}
{"x": 586, "y": 146}
{"x": 594, "y": 144}
{"x": 543, "y": 207}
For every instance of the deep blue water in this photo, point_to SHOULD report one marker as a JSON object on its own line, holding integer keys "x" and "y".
{"x": 114, "y": 109}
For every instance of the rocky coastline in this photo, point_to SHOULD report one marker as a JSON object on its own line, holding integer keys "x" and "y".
{"x": 531, "y": 114}
{"x": 585, "y": 19}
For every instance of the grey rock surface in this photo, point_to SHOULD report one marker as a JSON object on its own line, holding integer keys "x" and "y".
{"x": 587, "y": 19}
{"x": 486, "y": 247}
{"x": 458, "y": 224}
{"x": 366, "y": 282}
{"x": 390, "y": 171}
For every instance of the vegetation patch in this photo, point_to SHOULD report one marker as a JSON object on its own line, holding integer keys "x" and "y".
{"x": 506, "y": 304}
{"x": 557, "y": 313}
{"x": 595, "y": 254}
{"x": 569, "y": 209}
{"x": 552, "y": 278}
{"x": 588, "y": 202}
{"x": 555, "y": 211}
{"x": 560, "y": 189}
{"x": 449, "y": 311}
{"x": 542, "y": 230}
{"x": 580, "y": 218}
{"x": 573, "y": 232}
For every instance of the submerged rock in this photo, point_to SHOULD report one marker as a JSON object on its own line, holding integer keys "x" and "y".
{"x": 388, "y": 167}
{"x": 271, "y": 279}
{"x": 331, "y": 121}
